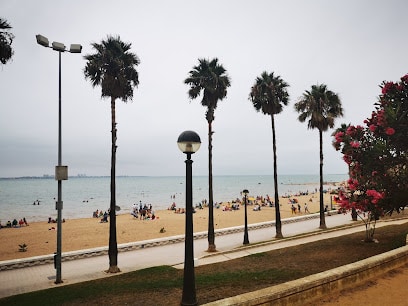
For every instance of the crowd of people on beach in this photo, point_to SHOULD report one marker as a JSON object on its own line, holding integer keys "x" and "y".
{"x": 143, "y": 212}
{"x": 10, "y": 224}
{"x": 102, "y": 215}
{"x": 256, "y": 204}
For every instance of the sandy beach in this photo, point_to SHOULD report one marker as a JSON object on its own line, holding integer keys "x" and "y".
{"x": 77, "y": 234}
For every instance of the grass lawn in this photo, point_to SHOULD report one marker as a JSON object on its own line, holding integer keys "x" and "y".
{"x": 163, "y": 285}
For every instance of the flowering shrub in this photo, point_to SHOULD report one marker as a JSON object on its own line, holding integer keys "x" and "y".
{"x": 377, "y": 156}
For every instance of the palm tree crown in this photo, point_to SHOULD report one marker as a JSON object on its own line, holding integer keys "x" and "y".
{"x": 269, "y": 93}
{"x": 210, "y": 79}
{"x": 321, "y": 106}
{"x": 112, "y": 67}
{"x": 6, "y": 39}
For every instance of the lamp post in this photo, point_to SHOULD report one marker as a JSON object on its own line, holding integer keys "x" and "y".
{"x": 246, "y": 240}
{"x": 61, "y": 172}
{"x": 189, "y": 142}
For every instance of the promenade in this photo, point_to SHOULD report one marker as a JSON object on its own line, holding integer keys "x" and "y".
{"x": 298, "y": 230}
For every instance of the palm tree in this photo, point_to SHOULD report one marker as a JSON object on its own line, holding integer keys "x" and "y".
{"x": 210, "y": 80}
{"x": 6, "y": 39}
{"x": 113, "y": 68}
{"x": 269, "y": 94}
{"x": 322, "y": 107}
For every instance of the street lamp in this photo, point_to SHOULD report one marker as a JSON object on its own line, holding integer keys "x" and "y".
{"x": 61, "y": 172}
{"x": 189, "y": 142}
{"x": 246, "y": 240}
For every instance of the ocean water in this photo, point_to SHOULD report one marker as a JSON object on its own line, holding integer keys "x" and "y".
{"x": 83, "y": 195}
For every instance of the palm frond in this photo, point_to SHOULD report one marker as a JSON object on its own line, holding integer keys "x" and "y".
{"x": 321, "y": 106}
{"x": 269, "y": 93}
{"x": 210, "y": 81}
{"x": 113, "y": 67}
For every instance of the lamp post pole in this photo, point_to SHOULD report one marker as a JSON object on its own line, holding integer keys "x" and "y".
{"x": 58, "y": 258}
{"x": 189, "y": 290}
{"x": 189, "y": 142}
{"x": 61, "y": 172}
{"x": 246, "y": 240}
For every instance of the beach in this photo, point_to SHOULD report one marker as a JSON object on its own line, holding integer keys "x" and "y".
{"x": 86, "y": 233}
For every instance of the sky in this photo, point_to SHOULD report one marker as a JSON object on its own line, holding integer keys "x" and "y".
{"x": 351, "y": 46}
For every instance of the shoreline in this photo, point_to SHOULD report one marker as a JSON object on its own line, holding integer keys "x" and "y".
{"x": 86, "y": 233}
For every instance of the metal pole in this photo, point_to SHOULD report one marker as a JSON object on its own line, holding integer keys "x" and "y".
{"x": 246, "y": 240}
{"x": 189, "y": 289}
{"x": 58, "y": 278}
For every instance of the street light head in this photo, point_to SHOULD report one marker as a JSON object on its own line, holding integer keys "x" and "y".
{"x": 189, "y": 142}
{"x": 58, "y": 46}
{"x": 245, "y": 191}
{"x": 42, "y": 40}
{"x": 75, "y": 48}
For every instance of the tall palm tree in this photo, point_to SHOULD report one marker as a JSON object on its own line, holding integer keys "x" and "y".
{"x": 269, "y": 94}
{"x": 113, "y": 68}
{"x": 6, "y": 39}
{"x": 322, "y": 107}
{"x": 210, "y": 80}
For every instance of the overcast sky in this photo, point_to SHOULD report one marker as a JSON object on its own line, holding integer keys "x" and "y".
{"x": 351, "y": 46}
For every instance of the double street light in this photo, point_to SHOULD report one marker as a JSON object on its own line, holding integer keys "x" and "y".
{"x": 189, "y": 142}
{"x": 246, "y": 240}
{"x": 61, "y": 172}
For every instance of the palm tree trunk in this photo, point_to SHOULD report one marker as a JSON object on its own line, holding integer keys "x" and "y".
{"x": 211, "y": 236}
{"x": 113, "y": 246}
{"x": 278, "y": 223}
{"x": 322, "y": 219}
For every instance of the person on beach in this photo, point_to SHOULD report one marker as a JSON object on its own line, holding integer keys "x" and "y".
{"x": 105, "y": 217}
{"x": 143, "y": 214}
{"x": 50, "y": 220}
{"x": 134, "y": 211}
{"x": 306, "y": 209}
{"x": 25, "y": 221}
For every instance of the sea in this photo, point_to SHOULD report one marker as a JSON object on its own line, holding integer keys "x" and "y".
{"x": 34, "y": 197}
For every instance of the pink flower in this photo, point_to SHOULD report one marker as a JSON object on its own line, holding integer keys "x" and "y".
{"x": 350, "y": 130}
{"x": 339, "y": 137}
{"x": 352, "y": 184}
{"x": 347, "y": 159}
{"x": 375, "y": 195}
{"x": 372, "y": 128}
{"x": 355, "y": 144}
{"x": 387, "y": 87}
{"x": 390, "y": 131}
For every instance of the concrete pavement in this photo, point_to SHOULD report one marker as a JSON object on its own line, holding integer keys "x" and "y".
{"x": 297, "y": 230}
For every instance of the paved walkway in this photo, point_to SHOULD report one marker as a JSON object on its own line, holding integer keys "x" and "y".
{"x": 229, "y": 246}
